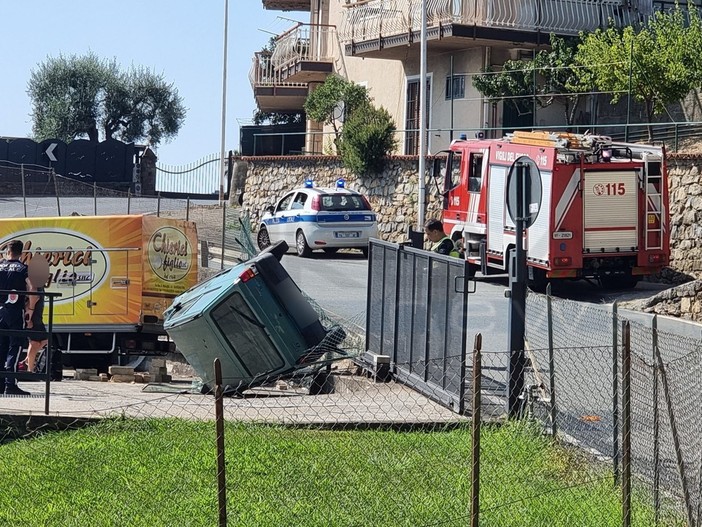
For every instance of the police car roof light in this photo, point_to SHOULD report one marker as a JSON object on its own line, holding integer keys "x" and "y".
{"x": 309, "y": 183}
{"x": 340, "y": 183}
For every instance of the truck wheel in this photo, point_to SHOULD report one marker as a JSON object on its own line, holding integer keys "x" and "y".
{"x": 303, "y": 250}
{"x": 539, "y": 283}
{"x": 263, "y": 239}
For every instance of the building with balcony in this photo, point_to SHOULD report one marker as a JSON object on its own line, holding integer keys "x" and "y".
{"x": 377, "y": 43}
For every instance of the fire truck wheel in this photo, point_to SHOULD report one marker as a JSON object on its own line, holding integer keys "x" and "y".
{"x": 539, "y": 282}
{"x": 619, "y": 282}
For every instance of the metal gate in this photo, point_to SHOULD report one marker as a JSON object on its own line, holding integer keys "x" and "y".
{"x": 417, "y": 312}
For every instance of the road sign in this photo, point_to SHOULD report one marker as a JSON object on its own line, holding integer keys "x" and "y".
{"x": 531, "y": 189}
{"x": 50, "y": 152}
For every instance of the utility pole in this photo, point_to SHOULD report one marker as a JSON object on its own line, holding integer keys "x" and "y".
{"x": 223, "y": 169}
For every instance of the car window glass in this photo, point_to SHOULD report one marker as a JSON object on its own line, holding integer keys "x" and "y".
{"x": 338, "y": 202}
{"x": 284, "y": 203}
{"x": 299, "y": 202}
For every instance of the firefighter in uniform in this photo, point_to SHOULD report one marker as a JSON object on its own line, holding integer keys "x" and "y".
{"x": 13, "y": 277}
{"x": 440, "y": 243}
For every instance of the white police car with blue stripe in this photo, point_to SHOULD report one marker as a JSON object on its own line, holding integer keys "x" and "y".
{"x": 312, "y": 218}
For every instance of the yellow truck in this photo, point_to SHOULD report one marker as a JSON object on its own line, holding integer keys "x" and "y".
{"x": 116, "y": 276}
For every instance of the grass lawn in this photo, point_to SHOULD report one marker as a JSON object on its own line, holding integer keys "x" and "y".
{"x": 163, "y": 473}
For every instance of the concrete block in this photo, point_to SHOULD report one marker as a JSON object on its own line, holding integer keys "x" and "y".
{"x": 94, "y": 378}
{"x": 122, "y": 378}
{"x": 158, "y": 363}
{"x": 104, "y": 377}
{"x": 121, "y": 370}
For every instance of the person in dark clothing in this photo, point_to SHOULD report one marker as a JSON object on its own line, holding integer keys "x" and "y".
{"x": 34, "y": 320}
{"x": 13, "y": 277}
{"x": 441, "y": 243}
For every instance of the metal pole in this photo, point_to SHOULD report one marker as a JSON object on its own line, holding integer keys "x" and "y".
{"x": 628, "y": 97}
{"x": 615, "y": 393}
{"x": 551, "y": 361}
{"x": 158, "y": 205}
{"x": 656, "y": 426}
{"x": 187, "y": 209}
{"x": 24, "y": 190}
{"x": 224, "y": 103}
{"x": 224, "y": 227}
{"x": 95, "y": 198}
{"x": 517, "y": 303}
{"x": 47, "y": 392}
{"x": 475, "y": 451}
{"x": 422, "y": 118}
{"x": 626, "y": 426}
{"x": 56, "y": 188}
{"x": 452, "y": 97}
{"x": 129, "y": 200}
{"x": 219, "y": 420}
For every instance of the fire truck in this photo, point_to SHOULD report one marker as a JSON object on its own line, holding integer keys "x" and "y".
{"x": 603, "y": 213}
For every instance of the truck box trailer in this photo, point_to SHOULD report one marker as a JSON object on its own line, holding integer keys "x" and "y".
{"x": 116, "y": 276}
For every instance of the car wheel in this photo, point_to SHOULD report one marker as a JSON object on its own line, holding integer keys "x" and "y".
{"x": 263, "y": 238}
{"x": 331, "y": 250}
{"x": 303, "y": 250}
{"x": 365, "y": 252}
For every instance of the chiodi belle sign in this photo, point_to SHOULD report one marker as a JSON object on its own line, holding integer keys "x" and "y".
{"x": 77, "y": 263}
{"x": 169, "y": 254}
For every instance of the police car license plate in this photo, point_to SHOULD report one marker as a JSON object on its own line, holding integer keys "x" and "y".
{"x": 350, "y": 234}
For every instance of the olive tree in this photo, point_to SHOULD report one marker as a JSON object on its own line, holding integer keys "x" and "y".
{"x": 85, "y": 96}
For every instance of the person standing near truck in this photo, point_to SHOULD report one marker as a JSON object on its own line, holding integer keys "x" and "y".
{"x": 13, "y": 277}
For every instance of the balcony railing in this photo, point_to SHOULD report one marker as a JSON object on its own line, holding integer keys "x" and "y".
{"x": 303, "y": 43}
{"x": 383, "y": 18}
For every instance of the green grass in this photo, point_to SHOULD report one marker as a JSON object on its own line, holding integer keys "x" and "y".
{"x": 163, "y": 473}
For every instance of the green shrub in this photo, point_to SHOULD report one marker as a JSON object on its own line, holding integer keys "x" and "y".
{"x": 367, "y": 138}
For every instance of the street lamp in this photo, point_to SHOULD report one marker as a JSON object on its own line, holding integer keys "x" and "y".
{"x": 223, "y": 167}
{"x": 422, "y": 117}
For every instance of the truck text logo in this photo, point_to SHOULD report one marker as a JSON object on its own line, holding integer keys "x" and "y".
{"x": 169, "y": 254}
{"x": 77, "y": 264}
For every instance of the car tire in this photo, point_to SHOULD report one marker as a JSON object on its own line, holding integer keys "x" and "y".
{"x": 303, "y": 250}
{"x": 263, "y": 238}
{"x": 364, "y": 250}
{"x": 331, "y": 250}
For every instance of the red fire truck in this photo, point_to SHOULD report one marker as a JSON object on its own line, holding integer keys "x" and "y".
{"x": 603, "y": 214}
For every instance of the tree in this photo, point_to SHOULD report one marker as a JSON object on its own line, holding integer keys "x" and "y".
{"x": 367, "y": 137}
{"x": 551, "y": 77}
{"x": 658, "y": 64}
{"x": 277, "y": 117}
{"x": 514, "y": 84}
{"x": 79, "y": 96}
{"x": 335, "y": 100}
{"x": 559, "y": 72}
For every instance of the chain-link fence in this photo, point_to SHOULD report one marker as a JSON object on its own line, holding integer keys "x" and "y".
{"x": 581, "y": 382}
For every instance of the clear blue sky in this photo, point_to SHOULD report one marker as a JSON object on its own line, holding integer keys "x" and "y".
{"x": 182, "y": 39}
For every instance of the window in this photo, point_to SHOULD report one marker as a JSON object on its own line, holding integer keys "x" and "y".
{"x": 246, "y": 336}
{"x": 300, "y": 200}
{"x": 458, "y": 89}
{"x": 339, "y": 202}
{"x": 476, "y": 172}
{"x": 284, "y": 203}
{"x": 412, "y": 115}
{"x": 455, "y": 169}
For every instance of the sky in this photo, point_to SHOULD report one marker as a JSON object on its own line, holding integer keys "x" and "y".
{"x": 181, "y": 39}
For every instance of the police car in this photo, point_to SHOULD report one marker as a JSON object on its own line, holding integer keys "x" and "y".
{"x": 312, "y": 218}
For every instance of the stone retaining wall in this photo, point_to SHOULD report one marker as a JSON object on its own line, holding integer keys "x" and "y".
{"x": 392, "y": 194}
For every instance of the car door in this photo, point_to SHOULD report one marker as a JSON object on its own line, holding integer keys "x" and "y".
{"x": 282, "y": 228}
